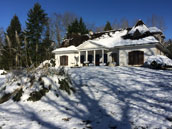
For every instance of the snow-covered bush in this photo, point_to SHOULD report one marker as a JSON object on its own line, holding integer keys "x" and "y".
{"x": 35, "y": 84}
{"x": 64, "y": 85}
{"x": 47, "y": 63}
{"x": 158, "y": 62}
{"x": 2, "y": 72}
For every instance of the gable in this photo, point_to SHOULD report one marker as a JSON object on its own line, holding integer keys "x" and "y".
{"x": 88, "y": 45}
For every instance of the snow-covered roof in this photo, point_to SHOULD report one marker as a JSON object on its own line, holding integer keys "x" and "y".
{"x": 64, "y": 49}
{"x": 154, "y": 29}
{"x": 116, "y": 39}
{"x": 137, "y": 35}
{"x": 141, "y": 28}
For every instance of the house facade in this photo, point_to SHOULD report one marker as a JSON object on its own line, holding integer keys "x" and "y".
{"x": 121, "y": 47}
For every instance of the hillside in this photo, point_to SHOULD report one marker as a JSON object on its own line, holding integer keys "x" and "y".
{"x": 103, "y": 97}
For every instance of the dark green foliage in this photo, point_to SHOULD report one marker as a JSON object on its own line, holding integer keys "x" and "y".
{"x": 47, "y": 46}
{"x": 37, "y": 95}
{"x": 64, "y": 85}
{"x": 5, "y": 98}
{"x": 61, "y": 71}
{"x": 11, "y": 30}
{"x": 57, "y": 95}
{"x": 18, "y": 95}
{"x": 155, "y": 65}
{"x": 107, "y": 26}
{"x": 53, "y": 62}
{"x": 9, "y": 52}
{"x": 76, "y": 28}
{"x": 35, "y": 27}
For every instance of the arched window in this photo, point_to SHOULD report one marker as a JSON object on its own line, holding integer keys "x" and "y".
{"x": 63, "y": 60}
{"x": 136, "y": 58}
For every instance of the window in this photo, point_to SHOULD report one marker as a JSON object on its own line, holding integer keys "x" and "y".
{"x": 136, "y": 58}
{"x": 63, "y": 60}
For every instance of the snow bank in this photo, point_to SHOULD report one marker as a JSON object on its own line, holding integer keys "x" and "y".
{"x": 105, "y": 98}
{"x": 159, "y": 59}
{"x": 38, "y": 80}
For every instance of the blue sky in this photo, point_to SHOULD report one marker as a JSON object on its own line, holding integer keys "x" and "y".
{"x": 92, "y": 11}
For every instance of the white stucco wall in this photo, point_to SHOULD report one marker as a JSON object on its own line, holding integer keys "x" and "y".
{"x": 71, "y": 59}
{"x": 147, "y": 49}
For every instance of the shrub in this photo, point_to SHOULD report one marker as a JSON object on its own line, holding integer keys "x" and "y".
{"x": 5, "y": 97}
{"x": 61, "y": 71}
{"x": 52, "y": 62}
{"x": 37, "y": 95}
{"x": 64, "y": 85}
{"x": 18, "y": 95}
{"x": 155, "y": 65}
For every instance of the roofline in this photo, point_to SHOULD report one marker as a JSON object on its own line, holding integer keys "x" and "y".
{"x": 153, "y": 43}
{"x": 61, "y": 52}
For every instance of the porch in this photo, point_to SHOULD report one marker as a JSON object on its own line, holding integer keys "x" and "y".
{"x": 94, "y": 57}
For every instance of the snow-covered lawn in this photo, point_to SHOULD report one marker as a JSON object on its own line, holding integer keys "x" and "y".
{"x": 106, "y": 97}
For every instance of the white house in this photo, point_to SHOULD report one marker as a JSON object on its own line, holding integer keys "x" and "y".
{"x": 121, "y": 47}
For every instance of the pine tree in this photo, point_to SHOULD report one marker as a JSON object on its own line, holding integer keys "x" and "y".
{"x": 12, "y": 42}
{"x": 47, "y": 45}
{"x": 35, "y": 25}
{"x": 76, "y": 28}
{"x": 107, "y": 26}
{"x": 82, "y": 27}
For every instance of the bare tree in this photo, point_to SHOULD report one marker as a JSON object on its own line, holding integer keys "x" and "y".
{"x": 56, "y": 27}
{"x": 115, "y": 24}
{"x": 156, "y": 21}
{"x": 124, "y": 23}
{"x": 99, "y": 28}
{"x": 68, "y": 18}
{"x": 91, "y": 27}
{"x": 134, "y": 21}
{"x": 59, "y": 24}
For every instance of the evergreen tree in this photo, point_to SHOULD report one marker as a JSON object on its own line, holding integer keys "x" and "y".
{"x": 76, "y": 28}
{"x": 35, "y": 26}
{"x": 3, "y": 52}
{"x": 47, "y": 46}
{"x": 107, "y": 26}
{"x": 13, "y": 44}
